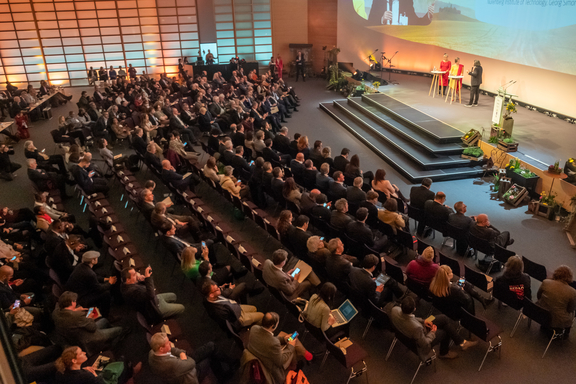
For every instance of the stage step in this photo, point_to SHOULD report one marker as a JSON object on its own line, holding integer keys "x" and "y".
{"x": 391, "y": 153}
{"x": 401, "y": 112}
{"x": 410, "y": 149}
{"x": 407, "y": 131}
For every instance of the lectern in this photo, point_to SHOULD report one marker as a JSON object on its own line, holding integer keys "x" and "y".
{"x": 500, "y": 102}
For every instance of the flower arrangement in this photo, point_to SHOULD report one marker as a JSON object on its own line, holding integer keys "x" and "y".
{"x": 516, "y": 166}
{"x": 376, "y": 84}
{"x": 469, "y": 134}
{"x": 510, "y": 109}
{"x": 555, "y": 168}
{"x": 548, "y": 199}
{"x": 512, "y": 193}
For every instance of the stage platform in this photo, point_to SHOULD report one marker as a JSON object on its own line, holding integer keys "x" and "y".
{"x": 543, "y": 139}
{"x": 414, "y": 143}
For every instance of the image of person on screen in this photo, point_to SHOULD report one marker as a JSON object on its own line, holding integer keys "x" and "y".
{"x": 476, "y": 73}
{"x": 445, "y": 66}
{"x": 398, "y": 12}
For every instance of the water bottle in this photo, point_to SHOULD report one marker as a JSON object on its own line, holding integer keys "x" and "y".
{"x": 395, "y": 11}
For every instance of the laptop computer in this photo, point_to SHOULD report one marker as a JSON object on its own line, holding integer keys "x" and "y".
{"x": 344, "y": 313}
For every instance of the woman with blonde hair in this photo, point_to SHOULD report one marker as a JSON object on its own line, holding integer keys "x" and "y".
{"x": 229, "y": 183}
{"x": 423, "y": 269}
{"x": 150, "y": 130}
{"x": 190, "y": 264}
{"x": 450, "y": 298}
{"x": 211, "y": 170}
{"x": 303, "y": 146}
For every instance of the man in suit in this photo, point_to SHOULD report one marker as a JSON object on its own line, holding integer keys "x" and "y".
{"x": 362, "y": 280}
{"x": 460, "y": 220}
{"x": 169, "y": 175}
{"x": 475, "y": 81}
{"x": 146, "y": 202}
{"x": 275, "y": 277}
{"x": 276, "y": 353}
{"x": 340, "y": 217}
{"x": 340, "y": 162}
{"x": 484, "y": 230}
{"x": 337, "y": 188}
{"x": 310, "y": 172}
{"x": 100, "y": 129}
{"x": 7, "y": 167}
{"x": 187, "y": 116}
{"x": 238, "y": 162}
{"x": 300, "y": 62}
{"x": 92, "y": 290}
{"x": 277, "y": 183}
{"x": 138, "y": 142}
{"x": 228, "y": 153}
{"x": 371, "y": 203}
{"x": 308, "y": 201}
{"x": 298, "y": 236}
{"x": 323, "y": 181}
{"x": 176, "y": 245}
{"x": 93, "y": 112}
{"x": 338, "y": 266}
{"x": 178, "y": 125}
{"x": 239, "y": 315}
{"x": 281, "y": 141}
{"x": 72, "y": 327}
{"x": 360, "y": 232}
{"x": 322, "y": 208}
{"x": 173, "y": 364}
{"x": 426, "y": 333}
{"x": 297, "y": 167}
{"x": 354, "y": 194}
{"x": 88, "y": 179}
{"x": 45, "y": 181}
{"x": 270, "y": 154}
{"x": 435, "y": 210}
{"x": 419, "y": 195}
{"x": 139, "y": 292}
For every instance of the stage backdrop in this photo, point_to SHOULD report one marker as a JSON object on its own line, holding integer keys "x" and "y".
{"x": 531, "y": 41}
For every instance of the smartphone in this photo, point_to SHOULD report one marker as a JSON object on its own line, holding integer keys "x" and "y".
{"x": 185, "y": 143}
{"x": 252, "y": 162}
{"x": 43, "y": 150}
{"x": 90, "y": 312}
{"x": 16, "y": 304}
{"x": 293, "y": 336}
{"x": 203, "y": 244}
{"x": 461, "y": 282}
{"x": 31, "y": 296}
{"x": 322, "y": 239}
{"x": 430, "y": 318}
{"x": 296, "y": 271}
{"x": 14, "y": 258}
{"x": 325, "y": 205}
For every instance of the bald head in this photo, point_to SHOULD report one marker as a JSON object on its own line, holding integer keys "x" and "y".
{"x": 6, "y": 273}
{"x": 482, "y": 220}
{"x": 300, "y": 157}
{"x": 166, "y": 164}
{"x": 314, "y": 193}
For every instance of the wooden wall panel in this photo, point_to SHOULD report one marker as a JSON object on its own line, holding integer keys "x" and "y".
{"x": 289, "y": 26}
{"x": 322, "y": 28}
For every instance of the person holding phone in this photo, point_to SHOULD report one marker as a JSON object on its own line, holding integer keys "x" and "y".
{"x": 220, "y": 307}
{"x": 452, "y": 297}
{"x": 275, "y": 352}
{"x": 139, "y": 292}
{"x": 427, "y": 333}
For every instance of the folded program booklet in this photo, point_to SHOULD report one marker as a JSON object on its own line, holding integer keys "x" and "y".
{"x": 167, "y": 201}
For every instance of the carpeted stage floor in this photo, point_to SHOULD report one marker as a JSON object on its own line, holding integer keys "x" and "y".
{"x": 538, "y": 239}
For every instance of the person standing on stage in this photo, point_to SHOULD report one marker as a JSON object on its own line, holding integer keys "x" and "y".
{"x": 456, "y": 70}
{"x": 279, "y": 65}
{"x": 445, "y": 66}
{"x": 300, "y": 65}
{"x": 476, "y": 73}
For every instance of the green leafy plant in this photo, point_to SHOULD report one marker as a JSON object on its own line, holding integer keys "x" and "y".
{"x": 508, "y": 140}
{"x": 473, "y": 151}
{"x": 493, "y": 140}
{"x": 496, "y": 182}
{"x": 510, "y": 109}
{"x": 548, "y": 199}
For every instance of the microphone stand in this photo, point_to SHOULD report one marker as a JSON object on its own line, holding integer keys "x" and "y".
{"x": 390, "y": 69}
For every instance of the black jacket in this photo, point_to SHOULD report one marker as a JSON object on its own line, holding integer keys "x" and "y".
{"x": 419, "y": 195}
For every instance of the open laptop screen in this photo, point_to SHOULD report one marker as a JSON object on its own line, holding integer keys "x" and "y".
{"x": 347, "y": 310}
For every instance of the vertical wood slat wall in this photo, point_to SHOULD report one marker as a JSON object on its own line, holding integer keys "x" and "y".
{"x": 59, "y": 40}
{"x": 322, "y": 28}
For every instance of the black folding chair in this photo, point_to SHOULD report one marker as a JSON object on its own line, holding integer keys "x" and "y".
{"x": 394, "y": 271}
{"x": 478, "y": 279}
{"x": 540, "y": 315}
{"x": 486, "y": 331}
{"x": 537, "y": 271}
{"x": 416, "y": 214}
{"x": 452, "y": 263}
{"x": 476, "y": 245}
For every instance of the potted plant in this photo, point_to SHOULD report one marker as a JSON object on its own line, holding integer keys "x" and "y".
{"x": 508, "y": 121}
{"x": 473, "y": 153}
{"x": 555, "y": 169}
{"x": 515, "y": 195}
{"x": 471, "y": 137}
{"x": 507, "y": 144}
{"x": 547, "y": 205}
{"x": 521, "y": 175}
